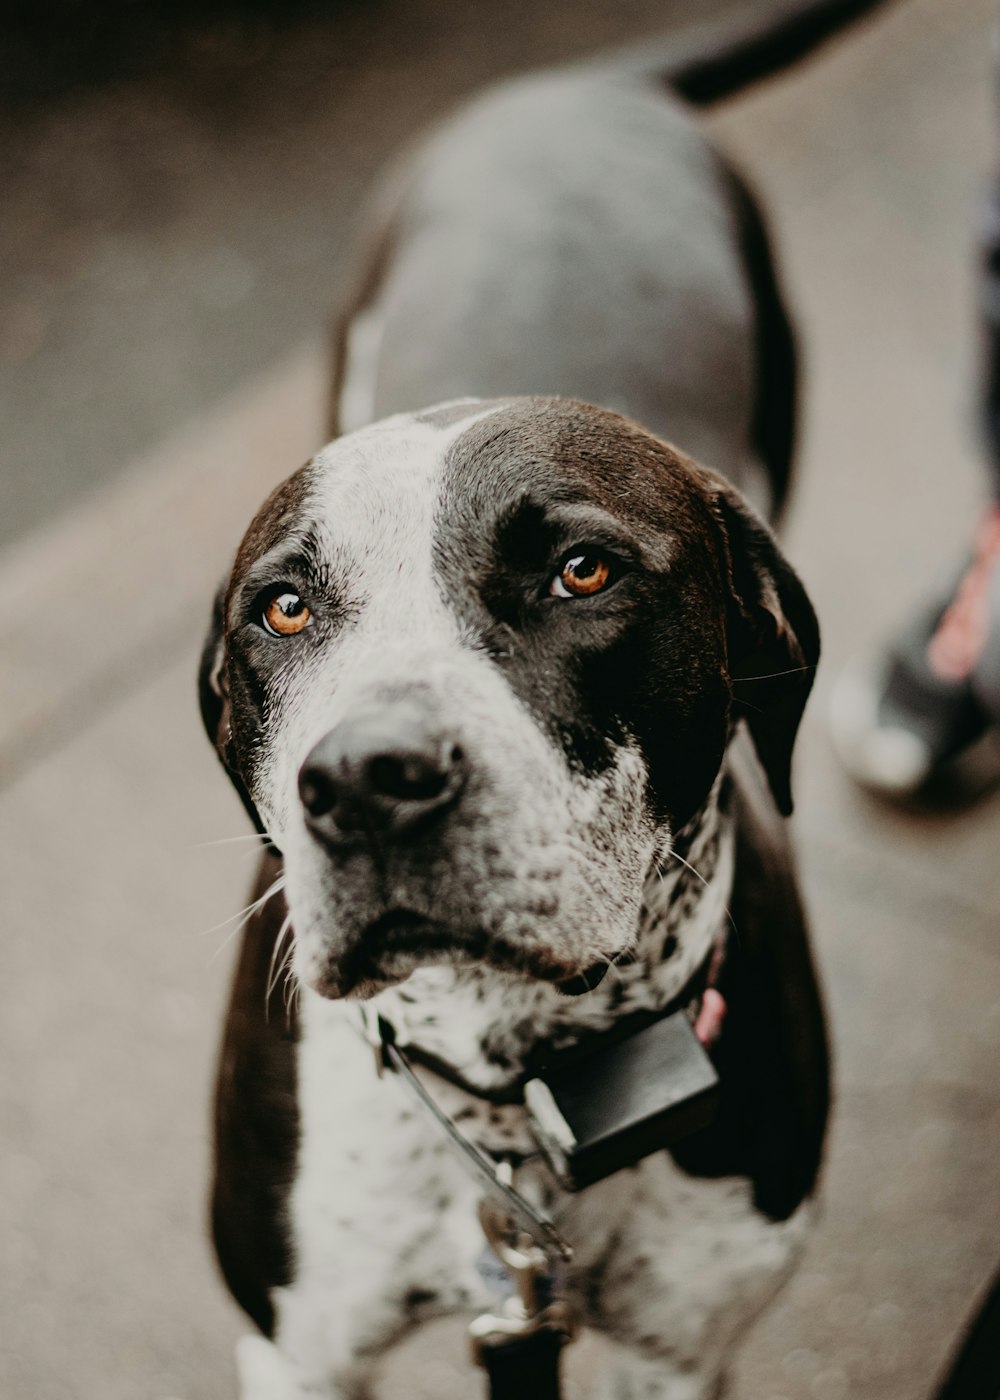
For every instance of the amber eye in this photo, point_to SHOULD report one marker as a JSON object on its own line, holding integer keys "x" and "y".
{"x": 283, "y": 612}
{"x": 581, "y": 576}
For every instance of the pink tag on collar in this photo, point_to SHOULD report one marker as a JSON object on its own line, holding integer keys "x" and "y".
{"x": 708, "y": 1026}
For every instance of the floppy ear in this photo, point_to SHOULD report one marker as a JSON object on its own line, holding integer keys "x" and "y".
{"x": 213, "y": 697}
{"x": 772, "y": 636}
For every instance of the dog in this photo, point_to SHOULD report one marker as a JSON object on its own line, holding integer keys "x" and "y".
{"x": 510, "y": 686}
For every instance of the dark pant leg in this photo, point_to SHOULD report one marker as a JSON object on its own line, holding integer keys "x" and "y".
{"x": 990, "y": 311}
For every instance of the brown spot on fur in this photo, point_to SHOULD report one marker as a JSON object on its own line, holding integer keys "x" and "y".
{"x": 275, "y": 520}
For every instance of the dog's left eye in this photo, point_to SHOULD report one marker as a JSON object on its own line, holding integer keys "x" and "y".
{"x": 282, "y": 612}
{"x": 581, "y": 576}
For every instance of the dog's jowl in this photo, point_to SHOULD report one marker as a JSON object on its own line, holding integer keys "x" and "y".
{"x": 510, "y": 686}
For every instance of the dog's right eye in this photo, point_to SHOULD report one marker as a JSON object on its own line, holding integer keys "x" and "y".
{"x": 282, "y": 611}
{"x": 581, "y": 576}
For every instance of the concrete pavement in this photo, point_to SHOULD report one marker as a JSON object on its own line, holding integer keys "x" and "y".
{"x": 871, "y": 160}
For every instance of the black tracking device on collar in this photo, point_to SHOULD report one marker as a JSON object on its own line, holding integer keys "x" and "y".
{"x": 619, "y": 1102}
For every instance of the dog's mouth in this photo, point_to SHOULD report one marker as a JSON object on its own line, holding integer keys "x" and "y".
{"x": 400, "y": 941}
{"x": 405, "y": 933}
{"x": 388, "y": 950}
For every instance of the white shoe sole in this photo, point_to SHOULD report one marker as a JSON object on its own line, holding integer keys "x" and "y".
{"x": 885, "y": 758}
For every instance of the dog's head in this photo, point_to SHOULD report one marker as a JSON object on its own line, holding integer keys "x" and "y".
{"x": 475, "y": 667}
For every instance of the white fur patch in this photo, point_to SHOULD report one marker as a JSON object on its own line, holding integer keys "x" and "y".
{"x": 548, "y": 862}
{"x": 373, "y": 501}
{"x": 379, "y": 1208}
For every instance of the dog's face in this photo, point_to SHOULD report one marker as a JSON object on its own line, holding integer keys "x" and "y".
{"x": 473, "y": 668}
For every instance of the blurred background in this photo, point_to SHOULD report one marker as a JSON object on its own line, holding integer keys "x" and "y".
{"x": 179, "y": 185}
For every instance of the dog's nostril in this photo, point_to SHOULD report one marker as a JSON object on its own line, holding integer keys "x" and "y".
{"x": 317, "y": 791}
{"x": 363, "y": 777}
{"x": 407, "y": 777}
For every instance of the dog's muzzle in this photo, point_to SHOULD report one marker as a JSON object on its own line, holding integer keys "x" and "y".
{"x": 381, "y": 775}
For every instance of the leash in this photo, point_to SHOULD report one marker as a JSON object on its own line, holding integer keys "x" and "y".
{"x": 520, "y": 1345}
{"x": 496, "y": 1183}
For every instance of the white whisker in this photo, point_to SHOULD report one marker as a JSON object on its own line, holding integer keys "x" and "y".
{"x": 245, "y": 915}
{"x": 773, "y": 675}
{"x": 276, "y": 969}
{"x": 230, "y": 840}
{"x": 251, "y": 908}
{"x": 292, "y": 992}
{"x": 698, "y": 875}
{"x": 612, "y": 964}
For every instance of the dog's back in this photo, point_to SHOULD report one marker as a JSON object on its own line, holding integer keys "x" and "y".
{"x": 570, "y": 234}
{"x": 575, "y": 233}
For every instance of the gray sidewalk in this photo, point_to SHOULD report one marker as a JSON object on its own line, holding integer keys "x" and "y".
{"x": 871, "y": 160}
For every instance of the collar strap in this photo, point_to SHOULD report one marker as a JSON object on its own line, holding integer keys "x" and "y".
{"x": 562, "y": 1148}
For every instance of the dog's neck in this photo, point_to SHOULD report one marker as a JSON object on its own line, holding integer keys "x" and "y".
{"x": 484, "y": 1024}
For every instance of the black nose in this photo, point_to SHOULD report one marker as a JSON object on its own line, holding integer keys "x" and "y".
{"x": 385, "y": 771}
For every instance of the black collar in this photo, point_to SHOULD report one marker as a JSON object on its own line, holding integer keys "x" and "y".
{"x": 544, "y": 1057}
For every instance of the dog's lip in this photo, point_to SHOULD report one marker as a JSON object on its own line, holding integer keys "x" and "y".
{"x": 589, "y": 978}
{"x": 402, "y": 929}
{"x": 393, "y": 932}
{"x": 415, "y": 936}
{"x": 393, "y": 917}
{"x": 586, "y": 981}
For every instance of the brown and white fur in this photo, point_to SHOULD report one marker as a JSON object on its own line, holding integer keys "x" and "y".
{"x": 574, "y": 780}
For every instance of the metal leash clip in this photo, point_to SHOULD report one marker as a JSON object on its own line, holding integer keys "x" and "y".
{"x": 531, "y": 1308}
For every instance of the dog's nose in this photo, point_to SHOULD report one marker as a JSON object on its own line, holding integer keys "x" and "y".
{"x": 387, "y": 770}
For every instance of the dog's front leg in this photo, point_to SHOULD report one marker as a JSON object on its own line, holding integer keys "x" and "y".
{"x": 334, "y": 1370}
{"x": 381, "y": 1218}
{"x": 333, "y": 1326}
{"x": 679, "y": 1267}
{"x": 266, "y": 1372}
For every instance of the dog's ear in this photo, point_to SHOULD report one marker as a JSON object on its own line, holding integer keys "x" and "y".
{"x": 213, "y": 697}
{"x": 772, "y": 635}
